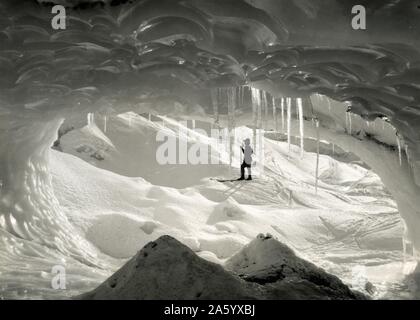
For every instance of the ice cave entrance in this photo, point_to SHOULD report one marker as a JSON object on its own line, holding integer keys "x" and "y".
{"x": 333, "y": 185}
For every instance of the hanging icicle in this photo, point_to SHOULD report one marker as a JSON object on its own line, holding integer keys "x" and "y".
{"x": 265, "y": 106}
{"x": 241, "y": 95}
{"x": 255, "y": 96}
{"x": 232, "y": 95}
{"x": 347, "y": 121}
{"x": 350, "y": 123}
{"x": 289, "y": 122}
{"x": 90, "y": 118}
{"x": 297, "y": 108}
{"x": 406, "y": 153}
{"x": 105, "y": 123}
{"x": 282, "y": 114}
{"x": 301, "y": 125}
{"x": 276, "y": 123}
{"x": 317, "y": 156}
{"x": 399, "y": 149}
{"x": 259, "y": 113}
{"x": 215, "y": 102}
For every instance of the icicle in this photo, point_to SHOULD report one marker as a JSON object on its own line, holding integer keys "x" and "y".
{"x": 255, "y": 95}
{"x": 241, "y": 95}
{"x": 193, "y": 124}
{"x": 406, "y": 153}
{"x": 301, "y": 125}
{"x": 317, "y": 156}
{"x": 265, "y": 106}
{"x": 105, "y": 123}
{"x": 347, "y": 121}
{"x": 90, "y": 118}
{"x": 231, "y": 92}
{"x": 333, "y": 149}
{"x": 289, "y": 121}
{"x": 150, "y": 117}
{"x": 350, "y": 123}
{"x": 215, "y": 101}
{"x": 259, "y": 109}
{"x": 297, "y": 108}
{"x": 399, "y": 150}
{"x": 276, "y": 123}
{"x": 282, "y": 114}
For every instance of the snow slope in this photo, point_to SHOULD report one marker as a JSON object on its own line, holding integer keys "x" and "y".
{"x": 350, "y": 223}
{"x": 166, "y": 269}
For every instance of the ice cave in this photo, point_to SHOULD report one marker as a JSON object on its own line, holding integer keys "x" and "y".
{"x": 120, "y": 136}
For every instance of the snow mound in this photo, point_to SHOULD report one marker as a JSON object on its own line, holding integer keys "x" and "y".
{"x": 267, "y": 261}
{"x": 226, "y": 211}
{"x": 261, "y": 253}
{"x": 167, "y": 269}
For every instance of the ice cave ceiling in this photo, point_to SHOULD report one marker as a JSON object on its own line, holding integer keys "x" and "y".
{"x": 129, "y": 51}
{"x": 122, "y": 53}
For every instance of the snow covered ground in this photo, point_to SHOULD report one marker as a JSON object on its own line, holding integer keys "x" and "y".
{"x": 119, "y": 198}
{"x": 265, "y": 269}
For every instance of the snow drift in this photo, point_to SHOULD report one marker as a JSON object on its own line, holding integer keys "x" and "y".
{"x": 166, "y": 269}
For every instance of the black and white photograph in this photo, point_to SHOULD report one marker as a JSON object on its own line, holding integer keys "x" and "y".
{"x": 217, "y": 150}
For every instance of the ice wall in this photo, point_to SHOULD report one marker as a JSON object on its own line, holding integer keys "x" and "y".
{"x": 28, "y": 207}
{"x": 374, "y": 142}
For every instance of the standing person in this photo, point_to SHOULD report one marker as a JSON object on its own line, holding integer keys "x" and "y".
{"x": 247, "y": 163}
